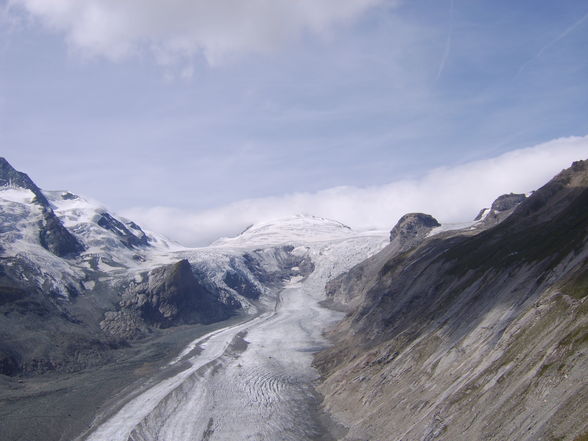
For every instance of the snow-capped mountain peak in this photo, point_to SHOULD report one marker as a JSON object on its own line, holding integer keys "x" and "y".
{"x": 289, "y": 230}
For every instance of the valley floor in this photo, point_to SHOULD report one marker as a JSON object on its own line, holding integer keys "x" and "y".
{"x": 59, "y": 406}
{"x": 247, "y": 381}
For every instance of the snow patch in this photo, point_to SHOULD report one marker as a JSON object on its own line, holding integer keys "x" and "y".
{"x": 18, "y": 195}
{"x": 452, "y": 227}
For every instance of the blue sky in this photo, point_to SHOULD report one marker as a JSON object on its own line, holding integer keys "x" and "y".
{"x": 200, "y": 104}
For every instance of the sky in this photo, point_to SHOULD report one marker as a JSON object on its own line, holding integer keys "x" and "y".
{"x": 199, "y": 117}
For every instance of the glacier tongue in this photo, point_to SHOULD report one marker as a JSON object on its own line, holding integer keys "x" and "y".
{"x": 251, "y": 381}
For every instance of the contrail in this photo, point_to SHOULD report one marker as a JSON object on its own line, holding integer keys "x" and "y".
{"x": 447, "y": 43}
{"x": 564, "y": 34}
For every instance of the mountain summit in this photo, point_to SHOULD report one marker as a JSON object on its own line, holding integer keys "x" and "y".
{"x": 9, "y": 177}
{"x": 53, "y": 236}
{"x": 294, "y": 229}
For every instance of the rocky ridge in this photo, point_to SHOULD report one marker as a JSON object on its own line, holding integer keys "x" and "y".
{"x": 500, "y": 209}
{"x": 411, "y": 229}
{"x": 53, "y": 236}
{"x": 470, "y": 335}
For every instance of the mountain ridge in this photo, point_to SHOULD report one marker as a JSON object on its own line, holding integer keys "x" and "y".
{"x": 53, "y": 236}
{"x": 464, "y": 335}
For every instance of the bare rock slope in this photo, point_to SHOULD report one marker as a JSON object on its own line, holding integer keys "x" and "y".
{"x": 471, "y": 335}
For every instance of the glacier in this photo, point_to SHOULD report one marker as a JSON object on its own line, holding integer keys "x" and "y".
{"x": 253, "y": 380}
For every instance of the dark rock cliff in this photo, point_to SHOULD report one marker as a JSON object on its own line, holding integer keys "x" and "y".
{"x": 411, "y": 229}
{"x": 272, "y": 267}
{"x": 56, "y": 238}
{"x": 130, "y": 235}
{"x": 348, "y": 289}
{"x": 167, "y": 296}
{"x": 10, "y": 177}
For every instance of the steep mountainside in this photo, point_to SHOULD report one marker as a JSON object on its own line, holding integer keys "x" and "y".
{"x": 471, "y": 334}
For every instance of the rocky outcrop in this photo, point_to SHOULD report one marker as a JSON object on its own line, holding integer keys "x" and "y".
{"x": 501, "y": 208}
{"x": 126, "y": 324}
{"x": 166, "y": 296}
{"x": 274, "y": 266}
{"x": 507, "y": 202}
{"x": 473, "y": 336}
{"x": 238, "y": 282}
{"x": 67, "y": 196}
{"x": 56, "y": 238}
{"x": 9, "y": 177}
{"x": 348, "y": 289}
{"x": 130, "y": 239}
{"x": 411, "y": 229}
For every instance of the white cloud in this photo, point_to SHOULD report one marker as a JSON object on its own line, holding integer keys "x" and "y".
{"x": 176, "y": 29}
{"x": 452, "y": 194}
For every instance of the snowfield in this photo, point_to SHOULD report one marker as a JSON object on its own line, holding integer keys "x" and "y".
{"x": 251, "y": 381}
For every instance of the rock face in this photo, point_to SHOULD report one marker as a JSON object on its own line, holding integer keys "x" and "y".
{"x": 348, "y": 289}
{"x": 130, "y": 239}
{"x": 507, "y": 201}
{"x": 501, "y": 208}
{"x": 167, "y": 296}
{"x": 276, "y": 265}
{"x": 412, "y": 228}
{"x": 472, "y": 336}
{"x": 9, "y": 177}
{"x": 56, "y": 238}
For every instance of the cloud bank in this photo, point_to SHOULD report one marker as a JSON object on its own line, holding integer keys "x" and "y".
{"x": 452, "y": 194}
{"x": 174, "y": 29}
